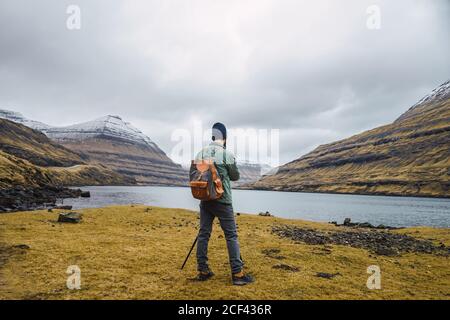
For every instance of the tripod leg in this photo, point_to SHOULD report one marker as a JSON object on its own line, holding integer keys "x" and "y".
{"x": 189, "y": 254}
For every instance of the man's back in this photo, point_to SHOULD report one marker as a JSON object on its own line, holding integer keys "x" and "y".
{"x": 221, "y": 209}
{"x": 226, "y": 166}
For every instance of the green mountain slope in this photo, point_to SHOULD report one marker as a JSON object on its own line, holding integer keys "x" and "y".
{"x": 28, "y": 158}
{"x": 410, "y": 156}
{"x": 26, "y": 143}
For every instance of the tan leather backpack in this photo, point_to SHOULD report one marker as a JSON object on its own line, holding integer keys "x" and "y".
{"x": 205, "y": 181}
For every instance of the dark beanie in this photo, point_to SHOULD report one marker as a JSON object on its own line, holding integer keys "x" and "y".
{"x": 219, "y": 132}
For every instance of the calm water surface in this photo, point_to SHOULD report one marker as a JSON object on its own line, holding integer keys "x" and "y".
{"x": 393, "y": 211}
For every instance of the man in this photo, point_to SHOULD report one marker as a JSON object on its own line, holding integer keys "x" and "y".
{"x": 221, "y": 208}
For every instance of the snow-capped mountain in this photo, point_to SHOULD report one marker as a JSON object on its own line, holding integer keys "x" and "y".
{"x": 120, "y": 146}
{"x": 109, "y": 126}
{"x": 438, "y": 94}
{"x": 251, "y": 172}
{"x": 409, "y": 157}
{"x": 262, "y": 167}
{"x": 114, "y": 143}
{"x": 19, "y": 118}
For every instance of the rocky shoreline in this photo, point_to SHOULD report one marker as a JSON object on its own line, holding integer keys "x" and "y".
{"x": 348, "y": 223}
{"x": 28, "y": 199}
{"x": 356, "y": 192}
{"x": 375, "y": 241}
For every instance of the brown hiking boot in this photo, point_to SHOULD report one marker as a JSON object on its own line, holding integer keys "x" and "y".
{"x": 204, "y": 275}
{"x": 241, "y": 279}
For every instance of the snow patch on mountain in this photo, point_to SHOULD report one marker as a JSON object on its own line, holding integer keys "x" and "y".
{"x": 262, "y": 168}
{"x": 440, "y": 93}
{"x": 19, "y": 118}
{"x": 110, "y": 126}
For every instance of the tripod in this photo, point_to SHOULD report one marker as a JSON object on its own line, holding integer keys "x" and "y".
{"x": 189, "y": 254}
{"x": 190, "y": 251}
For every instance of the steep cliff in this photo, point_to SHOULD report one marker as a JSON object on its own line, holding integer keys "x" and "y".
{"x": 410, "y": 156}
{"x": 110, "y": 142}
{"x": 29, "y": 158}
{"x": 118, "y": 145}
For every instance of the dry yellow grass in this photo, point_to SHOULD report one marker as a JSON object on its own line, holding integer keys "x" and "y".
{"x": 132, "y": 252}
{"x": 15, "y": 172}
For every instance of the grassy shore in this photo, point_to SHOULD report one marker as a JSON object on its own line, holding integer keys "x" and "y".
{"x": 135, "y": 252}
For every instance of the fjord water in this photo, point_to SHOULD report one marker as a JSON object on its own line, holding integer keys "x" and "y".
{"x": 392, "y": 211}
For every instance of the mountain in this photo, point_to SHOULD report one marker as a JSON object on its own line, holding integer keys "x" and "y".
{"x": 34, "y": 146}
{"x": 25, "y": 186}
{"x": 250, "y": 172}
{"x": 109, "y": 126}
{"x": 410, "y": 156}
{"x": 29, "y": 158}
{"x": 15, "y": 172}
{"x": 112, "y": 142}
{"x": 19, "y": 118}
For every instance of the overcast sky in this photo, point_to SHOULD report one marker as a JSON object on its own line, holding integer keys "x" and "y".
{"x": 309, "y": 68}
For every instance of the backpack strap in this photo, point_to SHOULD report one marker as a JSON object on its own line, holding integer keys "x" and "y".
{"x": 215, "y": 164}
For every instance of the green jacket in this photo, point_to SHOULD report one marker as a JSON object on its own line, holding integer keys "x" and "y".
{"x": 226, "y": 166}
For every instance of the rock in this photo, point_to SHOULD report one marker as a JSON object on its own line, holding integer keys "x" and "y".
{"x": 322, "y": 251}
{"x": 26, "y": 199}
{"x": 365, "y": 225}
{"x": 85, "y": 194}
{"x": 286, "y": 267}
{"x": 69, "y": 217}
{"x": 63, "y": 208}
{"x": 22, "y": 246}
{"x": 327, "y": 275}
{"x": 347, "y": 222}
{"x": 265, "y": 214}
{"x": 273, "y": 253}
{"x": 386, "y": 251}
{"x": 378, "y": 242}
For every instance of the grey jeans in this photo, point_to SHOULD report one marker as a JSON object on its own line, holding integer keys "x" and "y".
{"x": 208, "y": 211}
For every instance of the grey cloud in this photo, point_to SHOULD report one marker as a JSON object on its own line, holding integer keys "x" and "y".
{"x": 309, "y": 68}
